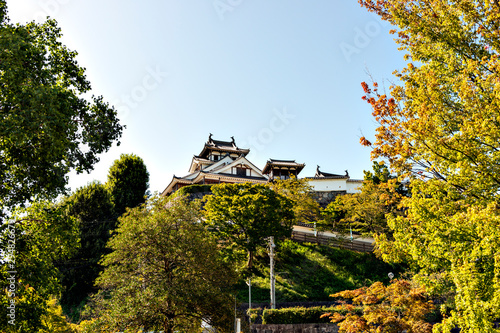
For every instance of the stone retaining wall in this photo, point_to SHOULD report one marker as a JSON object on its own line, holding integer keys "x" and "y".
{"x": 325, "y": 197}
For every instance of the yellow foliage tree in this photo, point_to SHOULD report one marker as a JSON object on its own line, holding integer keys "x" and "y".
{"x": 54, "y": 320}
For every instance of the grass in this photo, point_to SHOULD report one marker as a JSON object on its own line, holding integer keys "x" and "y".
{"x": 311, "y": 272}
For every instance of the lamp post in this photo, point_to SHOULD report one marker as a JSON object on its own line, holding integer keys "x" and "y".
{"x": 249, "y": 284}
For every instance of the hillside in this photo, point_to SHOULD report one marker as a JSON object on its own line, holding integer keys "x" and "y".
{"x": 311, "y": 272}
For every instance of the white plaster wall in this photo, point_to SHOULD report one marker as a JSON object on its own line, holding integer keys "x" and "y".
{"x": 328, "y": 184}
{"x": 354, "y": 187}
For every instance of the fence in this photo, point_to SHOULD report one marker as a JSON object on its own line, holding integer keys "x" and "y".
{"x": 332, "y": 241}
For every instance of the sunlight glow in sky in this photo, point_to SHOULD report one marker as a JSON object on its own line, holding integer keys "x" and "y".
{"x": 282, "y": 77}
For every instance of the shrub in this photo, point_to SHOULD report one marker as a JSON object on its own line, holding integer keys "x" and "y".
{"x": 301, "y": 315}
{"x": 254, "y": 314}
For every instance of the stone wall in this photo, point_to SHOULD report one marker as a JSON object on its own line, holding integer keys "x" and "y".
{"x": 295, "y": 328}
{"x": 198, "y": 195}
{"x": 325, "y": 197}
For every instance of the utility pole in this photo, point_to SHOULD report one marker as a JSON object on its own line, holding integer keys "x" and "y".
{"x": 271, "y": 257}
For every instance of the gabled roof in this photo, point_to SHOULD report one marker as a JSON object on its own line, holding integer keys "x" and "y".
{"x": 291, "y": 164}
{"x": 222, "y": 146}
{"x": 240, "y": 161}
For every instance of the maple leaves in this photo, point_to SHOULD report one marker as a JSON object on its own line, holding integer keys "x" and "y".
{"x": 395, "y": 308}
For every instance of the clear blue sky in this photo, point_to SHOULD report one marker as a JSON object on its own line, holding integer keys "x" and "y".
{"x": 282, "y": 77}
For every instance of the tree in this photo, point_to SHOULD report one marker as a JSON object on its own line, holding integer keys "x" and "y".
{"x": 305, "y": 207}
{"x": 400, "y": 307}
{"x": 366, "y": 211}
{"x": 164, "y": 273}
{"x": 46, "y": 127}
{"x": 128, "y": 181}
{"x": 30, "y": 242}
{"x": 441, "y": 128}
{"x": 245, "y": 215}
{"x": 92, "y": 206}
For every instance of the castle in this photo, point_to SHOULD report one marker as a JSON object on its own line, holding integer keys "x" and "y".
{"x": 225, "y": 162}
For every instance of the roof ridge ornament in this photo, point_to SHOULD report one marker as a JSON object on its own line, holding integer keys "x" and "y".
{"x": 210, "y": 138}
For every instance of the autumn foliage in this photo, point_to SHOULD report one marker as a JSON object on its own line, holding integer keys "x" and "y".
{"x": 440, "y": 128}
{"x": 447, "y": 109}
{"x": 395, "y": 308}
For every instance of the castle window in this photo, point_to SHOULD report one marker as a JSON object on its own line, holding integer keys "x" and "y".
{"x": 241, "y": 171}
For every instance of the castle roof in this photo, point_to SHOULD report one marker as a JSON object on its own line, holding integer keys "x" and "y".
{"x": 217, "y": 172}
{"x": 221, "y": 146}
{"x": 325, "y": 175}
{"x": 282, "y": 164}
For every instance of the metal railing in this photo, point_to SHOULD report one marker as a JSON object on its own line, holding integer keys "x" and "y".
{"x": 332, "y": 241}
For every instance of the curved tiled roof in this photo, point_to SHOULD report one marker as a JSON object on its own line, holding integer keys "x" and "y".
{"x": 222, "y": 146}
{"x": 282, "y": 163}
{"x": 325, "y": 175}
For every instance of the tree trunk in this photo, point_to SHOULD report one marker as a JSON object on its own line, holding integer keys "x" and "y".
{"x": 250, "y": 259}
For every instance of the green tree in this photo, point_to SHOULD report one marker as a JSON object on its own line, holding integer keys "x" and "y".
{"x": 92, "y": 206}
{"x": 128, "y": 181}
{"x": 441, "y": 128}
{"x": 305, "y": 207}
{"x": 31, "y": 241}
{"x": 245, "y": 215}
{"x": 46, "y": 127}
{"x": 164, "y": 273}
